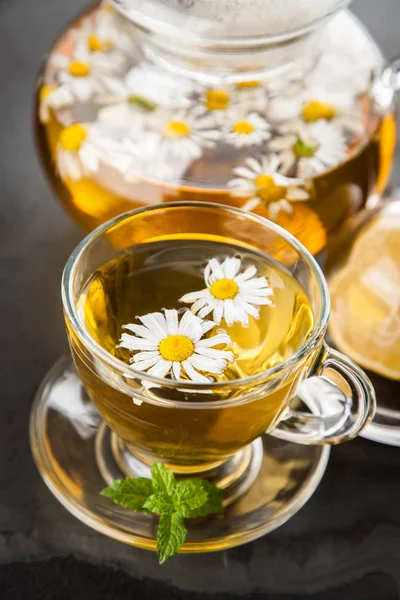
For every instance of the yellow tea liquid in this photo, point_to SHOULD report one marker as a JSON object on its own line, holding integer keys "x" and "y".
{"x": 128, "y": 176}
{"x": 153, "y": 276}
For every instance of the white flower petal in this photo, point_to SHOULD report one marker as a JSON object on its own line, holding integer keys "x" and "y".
{"x": 147, "y": 355}
{"x": 296, "y": 194}
{"x": 254, "y": 165}
{"x": 156, "y": 323}
{"x": 142, "y": 331}
{"x": 218, "y": 311}
{"x": 209, "y": 307}
{"x": 190, "y": 326}
{"x": 176, "y": 369}
{"x": 143, "y": 365}
{"x": 258, "y": 300}
{"x": 247, "y": 274}
{"x": 257, "y": 282}
{"x": 89, "y": 158}
{"x": 229, "y": 312}
{"x": 161, "y": 368}
{"x": 248, "y": 308}
{"x": 171, "y": 317}
{"x": 213, "y": 353}
{"x": 131, "y": 342}
{"x": 213, "y": 269}
{"x": 221, "y": 338}
{"x": 193, "y": 374}
{"x": 231, "y": 267}
{"x": 198, "y": 305}
{"x": 207, "y": 326}
{"x": 244, "y": 172}
{"x": 251, "y": 204}
{"x": 192, "y": 296}
{"x": 210, "y": 365}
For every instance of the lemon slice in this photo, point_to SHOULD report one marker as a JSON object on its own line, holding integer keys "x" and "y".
{"x": 365, "y": 297}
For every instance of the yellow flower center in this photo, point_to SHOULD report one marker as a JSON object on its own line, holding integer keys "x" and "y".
{"x": 176, "y": 129}
{"x": 248, "y": 84}
{"x": 217, "y": 100}
{"x": 267, "y": 190}
{"x": 243, "y": 127}
{"x": 72, "y": 137}
{"x": 45, "y": 91}
{"x": 78, "y": 69}
{"x": 224, "y": 289}
{"x": 94, "y": 44}
{"x": 176, "y": 348}
{"x": 315, "y": 110}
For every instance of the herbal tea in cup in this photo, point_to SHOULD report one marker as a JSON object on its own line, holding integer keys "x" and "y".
{"x": 192, "y": 327}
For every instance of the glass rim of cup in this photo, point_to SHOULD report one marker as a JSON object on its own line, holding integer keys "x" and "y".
{"x": 118, "y": 365}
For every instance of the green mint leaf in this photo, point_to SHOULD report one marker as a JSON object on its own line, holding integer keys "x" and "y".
{"x": 160, "y": 503}
{"x": 188, "y": 495}
{"x": 131, "y": 493}
{"x": 162, "y": 478}
{"x": 171, "y": 535}
{"x": 213, "y": 503}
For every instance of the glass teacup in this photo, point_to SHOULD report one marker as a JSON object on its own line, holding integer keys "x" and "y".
{"x": 209, "y": 428}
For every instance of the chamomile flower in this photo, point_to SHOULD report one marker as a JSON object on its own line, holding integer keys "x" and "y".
{"x": 135, "y": 157}
{"x": 263, "y": 184}
{"x": 55, "y": 98}
{"x": 247, "y": 131}
{"x": 77, "y": 154}
{"x": 144, "y": 89}
{"x": 166, "y": 344}
{"x": 100, "y": 34}
{"x": 342, "y": 110}
{"x": 158, "y": 87}
{"x": 86, "y": 73}
{"x": 309, "y": 149}
{"x": 182, "y": 134}
{"x": 252, "y": 96}
{"x": 227, "y": 102}
{"x": 230, "y": 294}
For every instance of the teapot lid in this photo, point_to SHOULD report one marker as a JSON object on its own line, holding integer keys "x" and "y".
{"x": 229, "y": 19}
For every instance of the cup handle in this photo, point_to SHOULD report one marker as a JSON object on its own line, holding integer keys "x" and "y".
{"x": 338, "y": 411}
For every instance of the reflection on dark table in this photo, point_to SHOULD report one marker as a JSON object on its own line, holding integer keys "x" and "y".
{"x": 345, "y": 543}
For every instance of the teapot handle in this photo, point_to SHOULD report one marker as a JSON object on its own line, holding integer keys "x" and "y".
{"x": 385, "y": 83}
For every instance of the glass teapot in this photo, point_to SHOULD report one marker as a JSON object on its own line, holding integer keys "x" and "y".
{"x": 284, "y": 108}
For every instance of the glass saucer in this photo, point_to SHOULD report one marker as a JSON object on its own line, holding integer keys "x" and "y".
{"x": 73, "y": 451}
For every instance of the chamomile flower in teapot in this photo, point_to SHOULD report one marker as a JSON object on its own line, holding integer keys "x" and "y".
{"x": 274, "y": 106}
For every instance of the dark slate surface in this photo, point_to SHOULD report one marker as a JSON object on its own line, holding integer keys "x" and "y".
{"x": 345, "y": 544}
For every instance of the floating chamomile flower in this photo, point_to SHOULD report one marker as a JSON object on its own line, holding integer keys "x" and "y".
{"x": 99, "y": 33}
{"x": 266, "y": 187}
{"x": 86, "y": 73}
{"x": 344, "y": 111}
{"x": 309, "y": 149}
{"x": 229, "y": 294}
{"x": 144, "y": 89}
{"x": 52, "y": 97}
{"x": 77, "y": 154}
{"x": 158, "y": 87}
{"x": 136, "y": 157}
{"x": 247, "y": 131}
{"x": 182, "y": 134}
{"x": 169, "y": 346}
{"x": 252, "y": 96}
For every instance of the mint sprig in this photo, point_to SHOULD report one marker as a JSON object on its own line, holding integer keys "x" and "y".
{"x": 170, "y": 499}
